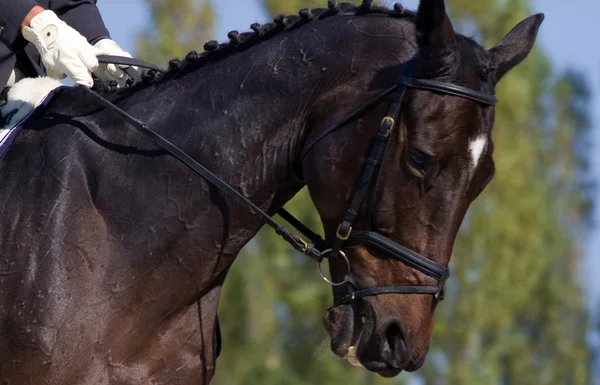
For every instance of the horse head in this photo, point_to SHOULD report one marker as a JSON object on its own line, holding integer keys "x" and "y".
{"x": 436, "y": 161}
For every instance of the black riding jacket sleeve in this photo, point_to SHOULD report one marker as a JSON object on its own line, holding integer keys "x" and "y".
{"x": 83, "y": 15}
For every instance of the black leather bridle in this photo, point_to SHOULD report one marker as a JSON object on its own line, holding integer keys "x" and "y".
{"x": 367, "y": 181}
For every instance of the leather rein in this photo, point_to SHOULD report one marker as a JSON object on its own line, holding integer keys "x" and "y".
{"x": 367, "y": 181}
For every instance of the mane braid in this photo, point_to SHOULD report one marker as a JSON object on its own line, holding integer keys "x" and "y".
{"x": 239, "y": 42}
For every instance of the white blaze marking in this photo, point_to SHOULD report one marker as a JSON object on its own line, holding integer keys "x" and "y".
{"x": 477, "y": 146}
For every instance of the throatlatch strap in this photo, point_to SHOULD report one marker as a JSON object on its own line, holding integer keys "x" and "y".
{"x": 356, "y": 114}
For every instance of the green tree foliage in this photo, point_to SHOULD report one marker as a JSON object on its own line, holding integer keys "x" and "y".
{"x": 277, "y": 7}
{"x": 178, "y": 26}
{"x": 514, "y": 313}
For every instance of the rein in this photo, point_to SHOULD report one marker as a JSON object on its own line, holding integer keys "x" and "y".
{"x": 367, "y": 181}
{"x": 296, "y": 242}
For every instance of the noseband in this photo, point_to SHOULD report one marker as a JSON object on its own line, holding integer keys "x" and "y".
{"x": 366, "y": 182}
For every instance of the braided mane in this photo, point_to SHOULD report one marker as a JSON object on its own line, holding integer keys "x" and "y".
{"x": 239, "y": 42}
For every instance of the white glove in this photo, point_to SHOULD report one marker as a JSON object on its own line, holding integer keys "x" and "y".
{"x": 64, "y": 51}
{"x": 111, "y": 72}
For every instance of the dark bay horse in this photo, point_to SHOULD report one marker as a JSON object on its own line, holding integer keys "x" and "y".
{"x": 113, "y": 254}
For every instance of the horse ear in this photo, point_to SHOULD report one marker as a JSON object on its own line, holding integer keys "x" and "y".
{"x": 516, "y": 45}
{"x": 434, "y": 29}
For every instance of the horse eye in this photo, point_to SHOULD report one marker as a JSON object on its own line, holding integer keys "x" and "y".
{"x": 417, "y": 162}
{"x": 484, "y": 73}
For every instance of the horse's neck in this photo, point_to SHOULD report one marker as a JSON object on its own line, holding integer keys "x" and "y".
{"x": 248, "y": 129}
{"x": 245, "y": 117}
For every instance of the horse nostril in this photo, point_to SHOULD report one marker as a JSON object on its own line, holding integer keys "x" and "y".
{"x": 394, "y": 349}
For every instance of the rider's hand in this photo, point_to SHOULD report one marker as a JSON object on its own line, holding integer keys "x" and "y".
{"x": 64, "y": 51}
{"x": 111, "y": 72}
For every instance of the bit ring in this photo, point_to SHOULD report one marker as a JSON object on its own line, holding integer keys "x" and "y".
{"x": 346, "y": 276}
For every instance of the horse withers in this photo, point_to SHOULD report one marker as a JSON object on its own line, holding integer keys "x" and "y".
{"x": 114, "y": 253}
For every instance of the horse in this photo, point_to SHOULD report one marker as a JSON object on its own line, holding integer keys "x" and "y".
{"x": 114, "y": 253}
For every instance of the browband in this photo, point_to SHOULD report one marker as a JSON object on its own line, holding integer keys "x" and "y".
{"x": 449, "y": 88}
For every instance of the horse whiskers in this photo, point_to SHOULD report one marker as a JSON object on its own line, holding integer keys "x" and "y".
{"x": 323, "y": 352}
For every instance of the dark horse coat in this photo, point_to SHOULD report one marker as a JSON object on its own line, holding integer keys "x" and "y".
{"x": 113, "y": 253}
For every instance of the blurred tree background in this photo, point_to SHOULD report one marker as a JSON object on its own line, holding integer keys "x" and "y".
{"x": 176, "y": 27}
{"x": 514, "y": 312}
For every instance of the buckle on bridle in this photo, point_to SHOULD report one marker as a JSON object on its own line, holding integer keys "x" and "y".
{"x": 304, "y": 246}
{"x": 343, "y": 237}
{"x": 390, "y": 121}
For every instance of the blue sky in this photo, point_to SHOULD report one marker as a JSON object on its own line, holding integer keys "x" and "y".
{"x": 567, "y": 36}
